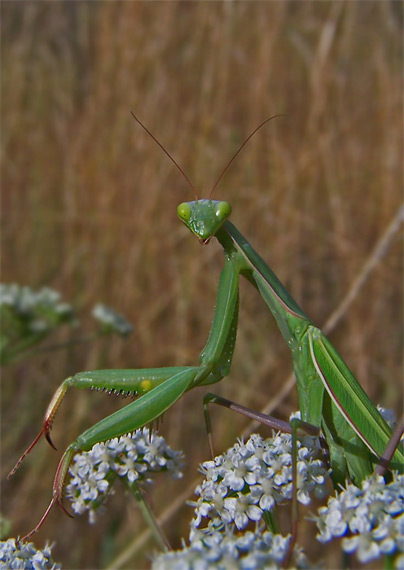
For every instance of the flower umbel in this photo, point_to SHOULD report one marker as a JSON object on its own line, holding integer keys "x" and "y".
{"x": 28, "y": 317}
{"x": 251, "y": 478}
{"x": 38, "y": 310}
{"x": 132, "y": 458}
{"x": 374, "y": 515}
{"x": 230, "y": 550}
{"x": 24, "y": 556}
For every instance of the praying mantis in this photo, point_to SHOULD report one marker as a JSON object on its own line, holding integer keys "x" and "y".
{"x": 330, "y": 397}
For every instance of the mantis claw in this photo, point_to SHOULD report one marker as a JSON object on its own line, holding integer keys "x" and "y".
{"x": 48, "y": 437}
{"x": 58, "y": 484}
{"x": 60, "y": 504}
{"x": 38, "y": 526}
{"x": 44, "y": 431}
{"x": 56, "y": 499}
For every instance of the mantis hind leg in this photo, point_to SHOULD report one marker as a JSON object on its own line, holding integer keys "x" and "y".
{"x": 296, "y": 428}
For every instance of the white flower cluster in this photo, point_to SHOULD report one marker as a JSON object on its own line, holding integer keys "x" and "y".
{"x": 374, "y": 515}
{"x": 111, "y": 321}
{"x": 229, "y": 551}
{"x": 24, "y": 556}
{"x": 132, "y": 458}
{"x": 251, "y": 478}
{"x": 38, "y": 310}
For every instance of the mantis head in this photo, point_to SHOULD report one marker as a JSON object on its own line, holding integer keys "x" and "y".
{"x": 204, "y": 217}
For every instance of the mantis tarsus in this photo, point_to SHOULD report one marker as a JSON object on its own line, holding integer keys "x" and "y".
{"x": 329, "y": 395}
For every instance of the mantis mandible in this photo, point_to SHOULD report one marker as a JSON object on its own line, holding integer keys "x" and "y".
{"x": 329, "y": 395}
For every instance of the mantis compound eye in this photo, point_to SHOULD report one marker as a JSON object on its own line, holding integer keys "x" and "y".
{"x": 223, "y": 210}
{"x": 184, "y": 211}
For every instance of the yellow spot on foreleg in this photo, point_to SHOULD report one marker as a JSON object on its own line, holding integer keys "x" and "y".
{"x": 146, "y": 385}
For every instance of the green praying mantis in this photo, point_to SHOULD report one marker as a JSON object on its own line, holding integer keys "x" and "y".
{"x": 330, "y": 397}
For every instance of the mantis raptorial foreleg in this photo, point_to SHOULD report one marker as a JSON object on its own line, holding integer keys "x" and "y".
{"x": 330, "y": 397}
{"x": 156, "y": 389}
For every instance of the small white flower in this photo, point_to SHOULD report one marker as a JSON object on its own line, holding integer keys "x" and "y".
{"x": 111, "y": 321}
{"x": 389, "y": 416}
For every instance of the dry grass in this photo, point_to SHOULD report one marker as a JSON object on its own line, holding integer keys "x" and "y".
{"x": 89, "y": 207}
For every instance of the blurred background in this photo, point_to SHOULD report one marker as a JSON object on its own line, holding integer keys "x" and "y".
{"x": 89, "y": 208}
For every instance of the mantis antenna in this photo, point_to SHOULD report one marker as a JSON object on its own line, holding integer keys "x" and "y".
{"x": 241, "y": 147}
{"x": 225, "y": 168}
{"x": 168, "y": 154}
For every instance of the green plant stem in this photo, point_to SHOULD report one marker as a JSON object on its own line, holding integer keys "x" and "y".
{"x": 149, "y": 517}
